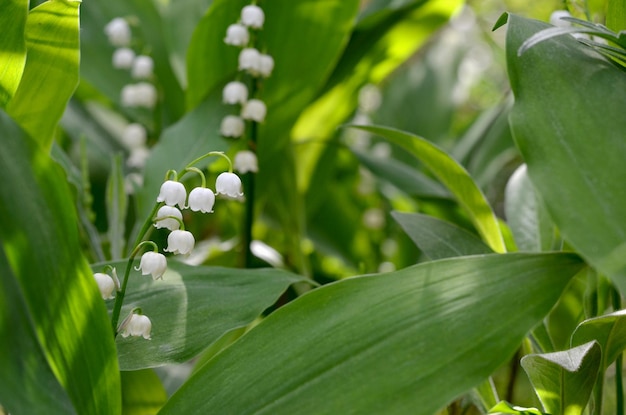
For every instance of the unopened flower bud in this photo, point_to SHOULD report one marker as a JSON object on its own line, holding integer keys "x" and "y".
{"x": 142, "y": 67}
{"x": 235, "y": 92}
{"x": 232, "y": 126}
{"x": 105, "y": 284}
{"x": 265, "y": 65}
{"x": 134, "y": 136}
{"x": 123, "y": 58}
{"x": 180, "y": 242}
{"x": 172, "y": 193}
{"x": 201, "y": 199}
{"x": 252, "y": 16}
{"x": 237, "y": 35}
{"x": 246, "y": 161}
{"x": 153, "y": 263}
{"x": 228, "y": 185}
{"x": 254, "y": 110}
{"x": 163, "y": 220}
{"x": 249, "y": 59}
{"x": 118, "y": 32}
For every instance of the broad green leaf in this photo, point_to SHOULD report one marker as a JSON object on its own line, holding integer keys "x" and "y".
{"x": 12, "y": 47}
{"x": 608, "y": 330}
{"x": 439, "y": 239}
{"x": 526, "y": 216}
{"x": 40, "y": 240}
{"x": 571, "y": 140}
{"x": 192, "y": 307}
{"x": 506, "y": 408}
{"x": 27, "y": 384}
{"x": 142, "y": 392}
{"x": 564, "y": 380}
{"x": 454, "y": 177}
{"x": 616, "y": 15}
{"x": 117, "y": 204}
{"x": 51, "y": 72}
{"x": 382, "y": 343}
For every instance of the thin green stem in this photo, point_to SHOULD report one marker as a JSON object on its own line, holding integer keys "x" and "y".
{"x": 209, "y": 154}
{"x": 619, "y": 382}
{"x": 197, "y": 170}
{"x": 119, "y": 298}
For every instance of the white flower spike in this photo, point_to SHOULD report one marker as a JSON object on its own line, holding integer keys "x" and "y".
{"x": 118, "y": 32}
{"x": 249, "y": 60}
{"x": 228, "y": 185}
{"x": 142, "y": 67}
{"x": 237, "y": 35}
{"x": 137, "y": 325}
{"x": 254, "y": 110}
{"x": 201, "y": 199}
{"x": 153, "y": 263}
{"x": 232, "y": 126}
{"x": 105, "y": 284}
{"x": 235, "y": 92}
{"x": 134, "y": 136}
{"x": 246, "y": 161}
{"x": 163, "y": 221}
{"x": 172, "y": 193}
{"x": 180, "y": 242}
{"x": 123, "y": 58}
{"x": 252, "y": 16}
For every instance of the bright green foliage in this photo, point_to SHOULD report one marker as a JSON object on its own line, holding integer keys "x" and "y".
{"x": 142, "y": 392}
{"x": 12, "y": 47}
{"x": 383, "y": 344}
{"x": 64, "y": 307}
{"x": 564, "y": 380}
{"x": 507, "y": 408}
{"x": 608, "y": 330}
{"x": 51, "y": 72}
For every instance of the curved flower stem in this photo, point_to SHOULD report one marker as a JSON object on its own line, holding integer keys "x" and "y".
{"x": 197, "y": 170}
{"x": 209, "y": 154}
{"x": 119, "y": 297}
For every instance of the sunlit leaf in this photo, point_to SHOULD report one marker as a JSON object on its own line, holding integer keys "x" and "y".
{"x": 608, "y": 330}
{"x": 564, "y": 380}
{"x": 142, "y": 393}
{"x": 571, "y": 139}
{"x": 51, "y": 72}
{"x": 380, "y": 344}
{"x": 454, "y": 177}
{"x": 12, "y": 47}
{"x": 40, "y": 240}
{"x": 117, "y": 202}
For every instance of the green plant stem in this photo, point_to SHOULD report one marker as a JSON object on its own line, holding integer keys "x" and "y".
{"x": 119, "y": 297}
{"x": 250, "y": 196}
{"x": 619, "y": 383}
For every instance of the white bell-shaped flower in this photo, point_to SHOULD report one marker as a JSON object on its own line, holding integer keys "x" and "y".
{"x": 265, "y": 65}
{"x": 557, "y": 16}
{"x": 153, "y": 263}
{"x": 246, "y": 161}
{"x": 235, "y": 92}
{"x": 172, "y": 193}
{"x": 123, "y": 58}
{"x": 232, "y": 126}
{"x": 180, "y": 242}
{"x": 105, "y": 284}
{"x": 237, "y": 35}
{"x": 134, "y": 136}
{"x": 228, "y": 185}
{"x": 142, "y": 67}
{"x": 118, "y": 32}
{"x": 138, "y": 157}
{"x": 252, "y": 16}
{"x": 162, "y": 219}
{"x": 137, "y": 325}
{"x": 254, "y": 110}
{"x": 142, "y": 94}
{"x": 249, "y": 59}
{"x": 201, "y": 199}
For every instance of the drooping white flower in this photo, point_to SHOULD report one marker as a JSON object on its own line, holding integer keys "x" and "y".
{"x": 142, "y": 67}
{"x": 235, "y": 92}
{"x": 172, "y": 193}
{"x": 142, "y": 94}
{"x": 254, "y": 110}
{"x": 105, "y": 284}
{"x": 137, "y": 325}
{"x": 163, "y": 221}
{"x": 153, "y": 263}
{"x": 118, "y": 32}
{"x": 237, "y": 35}
{"x": 557, "y": 16}
{"x": 246, "y": 161}
{"x": 232, "y": 126}
{"x": 180, "y": 242}
{"x": 201, "y": 199}
{"x": 249, "y": 59}
{"x": 252, "y": 16}
{"x": 123, "y": 58}
{"x": 138, "y": 157}
{"x": 228, "y": 185}
{"x": 134, "y": 136}
{"x": 265, "y": 65}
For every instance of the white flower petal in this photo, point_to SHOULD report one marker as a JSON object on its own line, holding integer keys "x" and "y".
{"x": 201, "y": 199}
{"x": 237, "y": 35}
{"x": 228, "y": 185}
{"x": 232, "y": 126}
{"x": 252, "y": 16}
{"x": 172, "y": 193}
{"x": 163, "y": 221}
{"x": 246, "y": 161}
{"x": 254, "y": 110}
{"x": 180, "y": 242}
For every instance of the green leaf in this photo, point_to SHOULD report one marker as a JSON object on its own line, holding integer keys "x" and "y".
{"x": 21, "y": 357}
{"x": 608, "y": 330}
{"x": 564, "y": 380}
{"x": 12, "y": 47}
{"x": 616, "y": 15}
{"x": 506, "y": 408}
{"x": 454, "y": 176}
{"x": 192, "y": 307}
{"x": 142, "y": 392}
{"x": 117, "y": 205}
{"x": 572, "y": 141}
{"x": 51, "y": 72}
{"x": 439, "y": 239}
{"x": 526, "y": 216}
{"x": 40, "y": 240}
{"x": 383, "y": 343}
